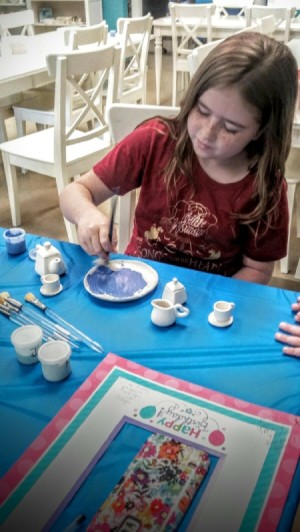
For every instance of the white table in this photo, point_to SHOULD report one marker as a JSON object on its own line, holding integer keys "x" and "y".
{"x": 222, "y": 27}
{"x": 23, "y": 61}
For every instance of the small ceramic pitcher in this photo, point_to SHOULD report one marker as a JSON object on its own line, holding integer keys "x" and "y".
{"x": 164, "y": 313}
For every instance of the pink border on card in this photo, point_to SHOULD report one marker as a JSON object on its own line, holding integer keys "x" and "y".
{"x": 285, "y": 470}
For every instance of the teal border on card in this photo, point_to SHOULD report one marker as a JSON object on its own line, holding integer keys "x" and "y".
{"x": 257, "y": 500}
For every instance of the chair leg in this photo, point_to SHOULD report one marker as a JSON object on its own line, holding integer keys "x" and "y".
{"x": 284, "y": 263}
{"x": 297, "y": 274}
{"x": 20, "y": 124}
{"x": 3, "y": 132}
{"x": 71, "y": 232}
{"x": 297, "y": 213}
{"x": 13, "y": 189}
{"x": 174, "y": 88}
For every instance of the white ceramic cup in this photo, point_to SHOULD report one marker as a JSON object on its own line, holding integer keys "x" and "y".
{"x": 164, "y": 313}
{"x": 55, "y": 359}
{"x": 51, "y": 283}
{"x": 223, "y": 310}
{"x": 26, "y": 340}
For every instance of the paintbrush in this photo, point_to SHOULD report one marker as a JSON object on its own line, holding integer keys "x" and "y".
{"x": 100, "y": 261}
{"x": 76, "y": 333}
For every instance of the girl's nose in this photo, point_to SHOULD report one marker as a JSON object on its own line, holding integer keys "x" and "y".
{"x": 211, "y": 128}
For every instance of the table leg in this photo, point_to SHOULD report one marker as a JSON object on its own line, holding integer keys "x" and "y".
{"x": 158, "y": 66}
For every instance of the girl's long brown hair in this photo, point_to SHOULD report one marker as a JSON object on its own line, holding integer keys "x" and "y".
{"x": 265, "y": 72}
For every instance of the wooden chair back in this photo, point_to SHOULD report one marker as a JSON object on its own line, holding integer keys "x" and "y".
{"x": 283, "y": 17}
{"x": 199, "y": 54}
{"x": 92, "y": 36}
{"x": 69, "y": 71}
{"x": 135, "y": 36}
{"x": 188, "y": 22}
{"x": 20, "y": 20}
{"x": 122, "y": 119}
{"x": 224, "y": 7}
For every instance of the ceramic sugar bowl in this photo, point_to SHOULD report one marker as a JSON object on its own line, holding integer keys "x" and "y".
{"x": 48, "y": 260}
{"x": 175, "y": 292}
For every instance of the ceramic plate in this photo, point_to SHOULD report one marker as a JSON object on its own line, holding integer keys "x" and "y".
{"x": 121, "y": 280}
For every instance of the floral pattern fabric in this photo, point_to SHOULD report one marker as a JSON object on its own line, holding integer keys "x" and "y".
{"x": 156, "y": 489}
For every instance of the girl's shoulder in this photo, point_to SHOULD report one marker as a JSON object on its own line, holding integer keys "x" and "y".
{"x": 155, "y": 125}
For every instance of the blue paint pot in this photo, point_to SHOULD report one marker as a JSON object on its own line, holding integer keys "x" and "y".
{"x": 15, "y": 241}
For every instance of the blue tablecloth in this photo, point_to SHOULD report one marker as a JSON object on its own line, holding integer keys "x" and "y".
{"x": 243, "y": 360}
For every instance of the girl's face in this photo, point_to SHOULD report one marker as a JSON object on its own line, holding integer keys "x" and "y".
{"x": 222, "y": 124}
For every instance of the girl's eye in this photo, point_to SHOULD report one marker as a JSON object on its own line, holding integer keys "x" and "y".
{"x": 203, "y": 111}
{"x": 229, "y": 129}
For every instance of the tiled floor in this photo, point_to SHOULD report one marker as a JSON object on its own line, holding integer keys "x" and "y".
{"x": 39, "y": 201}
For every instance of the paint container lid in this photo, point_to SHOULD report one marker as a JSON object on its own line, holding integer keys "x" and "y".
{"x": 26, "y": 341}
{"x": 27, "y": 336}
{"x": 54, "y": 352}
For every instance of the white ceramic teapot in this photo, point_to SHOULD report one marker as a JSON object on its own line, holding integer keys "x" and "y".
{"x": 48, "y": 260}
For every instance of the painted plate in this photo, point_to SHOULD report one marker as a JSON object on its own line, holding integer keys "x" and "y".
{"x": 121, "y": 280}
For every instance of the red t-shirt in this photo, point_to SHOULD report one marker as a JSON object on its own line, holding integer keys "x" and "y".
{"x": 195, "y": 233}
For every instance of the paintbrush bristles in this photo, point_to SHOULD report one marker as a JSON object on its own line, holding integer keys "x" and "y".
{"x": 29, "y": 297}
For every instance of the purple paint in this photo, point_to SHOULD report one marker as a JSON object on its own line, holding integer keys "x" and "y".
{"x": 15, "y": 241}
{"x": 120, "y": 283}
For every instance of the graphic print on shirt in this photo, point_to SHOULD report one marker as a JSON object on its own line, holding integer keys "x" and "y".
{"x": 186, "y": 231}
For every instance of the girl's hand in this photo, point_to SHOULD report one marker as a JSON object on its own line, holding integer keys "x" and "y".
{"x": 296, "y": 308}
{"x": 291, "y": 339}
{"x": 92, "y": 230}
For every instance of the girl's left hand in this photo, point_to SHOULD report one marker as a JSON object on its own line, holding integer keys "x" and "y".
{"x": 291, "y": 339}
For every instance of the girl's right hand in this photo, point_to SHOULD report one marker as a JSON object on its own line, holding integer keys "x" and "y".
{"x": 92, "y": 230}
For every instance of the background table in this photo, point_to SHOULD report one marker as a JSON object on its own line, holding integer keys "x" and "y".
{"x": 243, "y": 360}
{"x": 222, "y": 27}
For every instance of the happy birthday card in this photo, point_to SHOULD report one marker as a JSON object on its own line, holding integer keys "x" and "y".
{"x": 254, "y": 450}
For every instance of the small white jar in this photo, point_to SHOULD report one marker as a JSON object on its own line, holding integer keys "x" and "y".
{"x": 55, "y": 359}
{"x": 26, "y": 340}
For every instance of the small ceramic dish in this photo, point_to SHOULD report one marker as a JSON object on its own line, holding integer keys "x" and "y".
{"x": 121, "y": 280}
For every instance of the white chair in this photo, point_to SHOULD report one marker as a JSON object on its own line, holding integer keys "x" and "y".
{"x": 188, "y": 22}
{"x": 196, "y": 57}
{"x": 23, "y": 21}
{"x": 135, "y": 36}
{"x": 39, "y": 109}
{"x": 62, "y": 151}
{"x": 122, "y": 119}
{"x": 223, "y": 6}
{"x": 265, "y": 25}
{"x": 91, "y": 36}
{"x": 283, "y": 17}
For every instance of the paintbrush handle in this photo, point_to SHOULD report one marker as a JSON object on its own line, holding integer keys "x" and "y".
{"x": 112, "y": 216}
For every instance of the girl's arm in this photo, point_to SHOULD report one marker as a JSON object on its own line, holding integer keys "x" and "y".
{"x": 78, "y": 203}
{"x": 255, "y": 271}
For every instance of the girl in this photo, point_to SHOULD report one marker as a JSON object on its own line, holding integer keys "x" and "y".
{"x": 213, "y": 194}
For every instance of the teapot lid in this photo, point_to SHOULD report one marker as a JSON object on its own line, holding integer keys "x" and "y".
{"x": 46, "y": 250}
